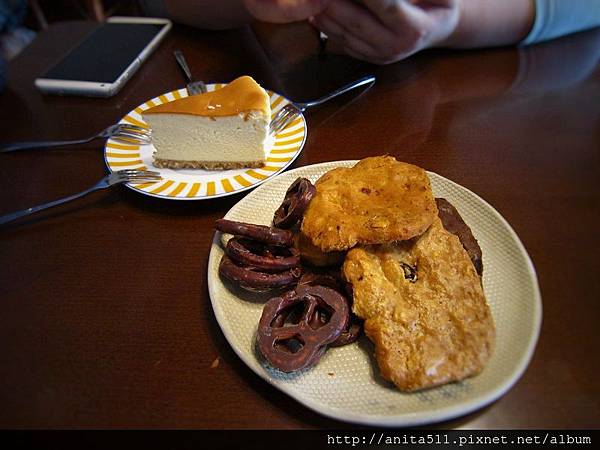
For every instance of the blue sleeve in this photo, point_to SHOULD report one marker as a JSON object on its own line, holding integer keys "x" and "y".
{"x": 555, "y": 18}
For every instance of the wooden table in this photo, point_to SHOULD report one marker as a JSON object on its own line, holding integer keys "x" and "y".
{"x": 106, "y": 319}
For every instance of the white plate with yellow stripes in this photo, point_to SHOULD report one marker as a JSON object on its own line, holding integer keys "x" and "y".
{"x": 197, "y": 184}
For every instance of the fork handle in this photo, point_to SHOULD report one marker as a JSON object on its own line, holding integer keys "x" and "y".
{"x": 39, "y": 144}
{"x": 26, "y": 212}
{"x": 348, "y": 87}
{"x": 183, "y": 64}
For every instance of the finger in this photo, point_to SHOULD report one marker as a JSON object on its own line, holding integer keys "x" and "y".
{"x": 369, "y": 57}
{"x": 324, "y": 23}
{"x": 435, "y": 3}
{"x": 397, "y": 14}
{"x": 284, "y": 11}
{"x": 332, "y": 27}
{"x": 358, "y": 49}
{"x": 337, "y": 44}
{"x": 359, "y": 22}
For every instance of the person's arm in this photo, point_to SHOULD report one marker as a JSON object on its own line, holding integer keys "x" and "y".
{"x": 385, "y": 31}
{"x": 490, "y": 23}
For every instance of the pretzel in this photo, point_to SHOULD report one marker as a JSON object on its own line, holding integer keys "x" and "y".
{"x": 275, "y": 336}
{"x": 296, "y": 200}
{"x": 252, "y": 279}
{"x": 354, "y": 327}
{"x": 261, "y": 256}
{"x": 261, "y": 233}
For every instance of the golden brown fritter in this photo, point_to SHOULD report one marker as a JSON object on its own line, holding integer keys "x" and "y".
{"x": 378, "y": 200}
{"x": 434, "y": 330}
{"x": 314, "y": 256}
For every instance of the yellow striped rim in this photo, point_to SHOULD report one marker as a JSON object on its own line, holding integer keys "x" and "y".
{"x": 283, "y": 151}
{"x": 270, "y": 168}
{"x": 126, "y": 139}
{"x": 227, "y": 187}
{"x": 123, "y": 146}
{"x": 276, "y": 103}
{"x": 219, "y": 86}
{"x": 256, "y": 175}
{"x": 210, "y": 188}
{"x": 134, "y": 121}
{"x": 123, "y": 155}
{"x": 150, "y": 104}
{"x": 240, "y": 179}
{"x": 286, "y": 134}
{"x": 180, "y": 187}
{"x": 293, "y": 124}
{"x": 125, "y": 163}
{"x": 139, "y": 110}
{"x": 176, "y": 94}
{"x": 288, "y": 141}
{"x": 278, "y": 159}
{"x": 145, "y": 185}
{"x": 163, "y": 98}
{"x": 194, "y": 190}
{"x": 162, "y": 187}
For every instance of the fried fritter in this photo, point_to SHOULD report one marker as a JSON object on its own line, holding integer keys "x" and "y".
{"x": 379, "y": 200}
{"x": 314, "y": 256}
{"x": 424, "y": 308}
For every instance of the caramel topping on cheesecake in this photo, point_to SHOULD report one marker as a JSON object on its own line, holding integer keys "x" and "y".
{"x": 241, "y": 95}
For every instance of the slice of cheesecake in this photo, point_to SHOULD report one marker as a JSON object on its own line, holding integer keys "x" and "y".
{"x": 223, "y": 129}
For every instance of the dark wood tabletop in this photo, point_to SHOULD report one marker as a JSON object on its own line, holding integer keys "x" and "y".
{"x": 105, "y": 314}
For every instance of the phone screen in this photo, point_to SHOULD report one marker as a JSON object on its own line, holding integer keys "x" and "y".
{"x": 105, "y": 53}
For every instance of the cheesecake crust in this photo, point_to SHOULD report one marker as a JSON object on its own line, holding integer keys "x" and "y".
{"x": 208, "y": 165}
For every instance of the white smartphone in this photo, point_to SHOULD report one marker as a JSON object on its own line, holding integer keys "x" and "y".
{"x": 106, "y": 58}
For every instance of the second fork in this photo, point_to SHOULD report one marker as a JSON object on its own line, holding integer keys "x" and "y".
{"x": 193, "y": 87}
{"x": 122, "y": 176}
{"x": 290, "y": 111}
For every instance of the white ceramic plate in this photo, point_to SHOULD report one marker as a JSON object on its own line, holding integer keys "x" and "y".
{"x": 346, "y": 384}
{"x": 197, "y": 184}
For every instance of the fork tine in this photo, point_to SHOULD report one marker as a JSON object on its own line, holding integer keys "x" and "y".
{"x": 132, "y": 127}
{"x": 136, "y": 171}
{"x": 279, "y": 117}
{"x": 143, "y": 180}
{"x": 136, "y": 131}
{"x": 132, "y": 177}
{"x": 142, "y": 175}
{"x": 196, "y": 87}
{"x": 131, "y": 138}
{"x": 132, "y": 130}
{"x": 286, "y": 115}
{"x": 283, "y": 111}
{"x": 136, "y": 176}
{"x": 132, "y": 135}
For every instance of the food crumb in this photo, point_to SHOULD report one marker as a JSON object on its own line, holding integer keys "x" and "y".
{"x": 215, "y": 363}
{"x": 331, "y": 374}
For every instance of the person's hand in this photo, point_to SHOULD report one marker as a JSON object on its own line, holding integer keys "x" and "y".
{"x": 284, "y": 11}
{"x": 386, "y": 31}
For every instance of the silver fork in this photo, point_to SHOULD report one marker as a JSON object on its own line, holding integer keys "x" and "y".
{"x": 123, "y": 132}
{"x": 122, "y": 176}
{"x": 193, "y": 87}
{"x": 292, "y": 110}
